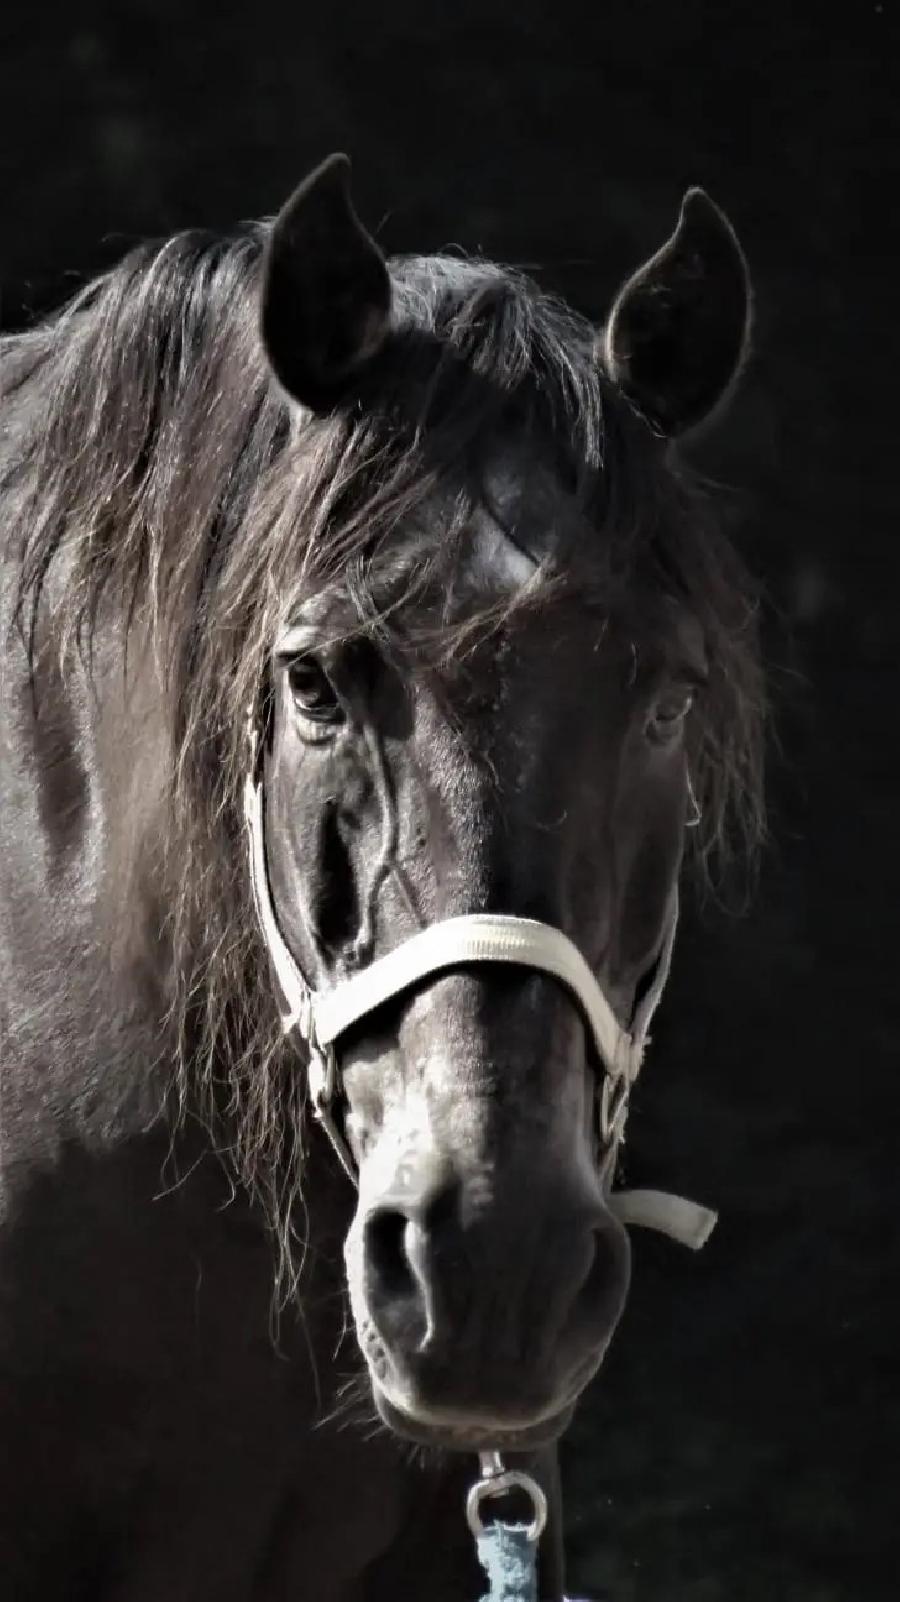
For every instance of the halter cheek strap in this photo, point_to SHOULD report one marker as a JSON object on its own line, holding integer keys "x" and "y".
{"x": 320, "y": 1018}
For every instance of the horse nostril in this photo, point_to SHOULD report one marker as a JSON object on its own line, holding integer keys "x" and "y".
{"x": 390, "y": 1272}
{"x": 411, "y": 1252}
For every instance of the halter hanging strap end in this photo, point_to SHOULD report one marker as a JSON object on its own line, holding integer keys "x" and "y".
{"x": 683, "y": 1221}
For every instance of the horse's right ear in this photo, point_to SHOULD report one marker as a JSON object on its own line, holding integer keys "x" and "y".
{"x": 325, "y": 302}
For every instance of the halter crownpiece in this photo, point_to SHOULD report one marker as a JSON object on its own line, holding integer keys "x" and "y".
{"x": 320, "y": 1018}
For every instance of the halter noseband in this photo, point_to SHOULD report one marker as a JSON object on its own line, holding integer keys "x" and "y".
{"x": 320, "y": 1018}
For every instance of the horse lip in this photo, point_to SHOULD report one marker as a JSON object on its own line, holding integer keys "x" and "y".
{"x": 471, "y": 1437}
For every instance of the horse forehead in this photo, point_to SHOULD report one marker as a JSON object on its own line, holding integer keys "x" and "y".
{"x": 497, "y": 559}
{"x": 521, "y": 520}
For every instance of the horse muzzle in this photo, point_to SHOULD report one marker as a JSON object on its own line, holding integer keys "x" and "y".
{"x": 483, "y": 1320}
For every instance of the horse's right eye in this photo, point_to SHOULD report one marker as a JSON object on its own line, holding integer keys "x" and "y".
{"x": 312, "y": 691}
{"x": 667, "y": 716}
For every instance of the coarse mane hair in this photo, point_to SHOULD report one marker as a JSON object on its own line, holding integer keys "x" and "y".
{"x": 144, "y": 442}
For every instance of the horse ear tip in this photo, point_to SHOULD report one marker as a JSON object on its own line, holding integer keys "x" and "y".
{"x": 698, "y": 210}
{"x": 338, "y": 163}
{"x": 700, "y": 214}
{"x": 331, "y": 174}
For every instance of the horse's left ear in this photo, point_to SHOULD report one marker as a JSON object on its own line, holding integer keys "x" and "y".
{"x": 679, "y": 329}
{"x": 325, "y": 302}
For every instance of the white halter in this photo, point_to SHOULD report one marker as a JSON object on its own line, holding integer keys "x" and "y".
{"x": 321, "y": 1017}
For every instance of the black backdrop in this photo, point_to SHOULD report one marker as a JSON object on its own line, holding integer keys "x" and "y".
{"x": 742, "y": 1441}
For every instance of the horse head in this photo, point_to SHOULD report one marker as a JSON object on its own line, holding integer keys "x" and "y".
{"x": 498, "y": 697}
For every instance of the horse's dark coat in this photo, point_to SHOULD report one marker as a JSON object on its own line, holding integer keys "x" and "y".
{"x": 508, "y": 741}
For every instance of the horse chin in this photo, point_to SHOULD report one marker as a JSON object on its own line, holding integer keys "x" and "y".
{"x": 471, "y": 1435}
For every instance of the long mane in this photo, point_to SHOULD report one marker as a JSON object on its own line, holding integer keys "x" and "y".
{"x": 143, "y": 440}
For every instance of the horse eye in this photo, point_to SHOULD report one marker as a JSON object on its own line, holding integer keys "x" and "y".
{"x": 668, "y": 715}
{"x": 312, "y": 692}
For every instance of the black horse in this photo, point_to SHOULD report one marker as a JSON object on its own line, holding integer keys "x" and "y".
{"x": 402, "y": 552}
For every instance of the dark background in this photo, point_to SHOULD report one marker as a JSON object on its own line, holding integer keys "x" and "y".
{"x": 743, "y": 1440}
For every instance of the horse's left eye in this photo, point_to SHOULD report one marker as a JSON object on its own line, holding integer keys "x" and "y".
{"x": 312, "y": 690}
{"x": 667, "y": 716}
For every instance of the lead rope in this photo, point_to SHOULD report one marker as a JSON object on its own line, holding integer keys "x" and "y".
{"x": 506, "y": 1552}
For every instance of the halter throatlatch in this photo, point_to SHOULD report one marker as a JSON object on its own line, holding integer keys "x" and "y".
{"x": 320, "y": 1018}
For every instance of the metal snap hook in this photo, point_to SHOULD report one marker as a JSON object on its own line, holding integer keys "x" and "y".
{"x": 496, "y": 1481}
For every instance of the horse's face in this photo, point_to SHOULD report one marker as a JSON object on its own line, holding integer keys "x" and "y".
{"x": 543, "y": 774}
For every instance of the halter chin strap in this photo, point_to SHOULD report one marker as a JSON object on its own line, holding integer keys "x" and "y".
{"x": 320, "y": 1018}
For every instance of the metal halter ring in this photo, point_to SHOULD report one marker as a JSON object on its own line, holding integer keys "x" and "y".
{"x": 497, "y": 1481}
{"x": 613, "y": 1107}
